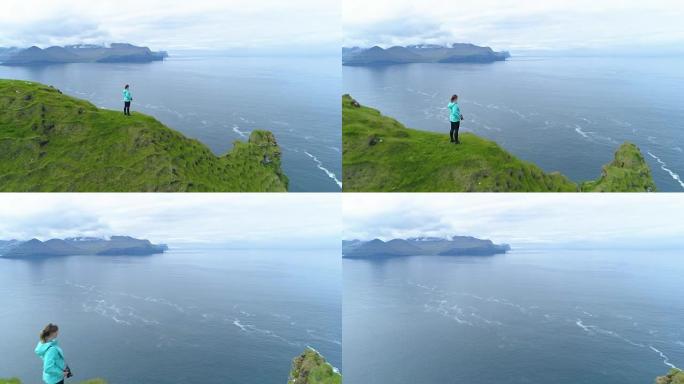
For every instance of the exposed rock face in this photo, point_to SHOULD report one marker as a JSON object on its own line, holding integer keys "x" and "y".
{"x": 675, "y": 376}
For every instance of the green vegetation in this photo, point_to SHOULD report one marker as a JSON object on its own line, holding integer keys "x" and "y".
{"x": 675, "y": 376}
{"x": 627, "y": 172}
{"x": 382, "y": 155}
{"x": 17, "y": 381}
{"x": 311, "y": 368}
{"x": 50, "y": 142}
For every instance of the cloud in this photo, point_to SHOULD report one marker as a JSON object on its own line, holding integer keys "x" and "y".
{"x": 174, "y": 24}
{"x": 238, "y": 220}
{"x": 516, "y": 25}
{"x": 517, "y": 218}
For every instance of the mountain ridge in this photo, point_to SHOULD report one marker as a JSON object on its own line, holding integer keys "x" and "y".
{"x": 115, "y": 245}
{"x": 80, "y": 53}
{"x": 421, "y": 53}
{"x": 454, "y": 246}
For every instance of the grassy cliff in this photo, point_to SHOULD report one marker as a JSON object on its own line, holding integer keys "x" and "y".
{"x": 51, "y": 142}
{"x": 311, "y": 368}
{"x": 675, "y": 376}
{"x": 382, "y": 155}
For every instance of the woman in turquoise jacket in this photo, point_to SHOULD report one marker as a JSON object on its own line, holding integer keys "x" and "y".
{"x": 127, "y": 98}
{"x": 455, "y": 118}
{"x": 55, "y": 369}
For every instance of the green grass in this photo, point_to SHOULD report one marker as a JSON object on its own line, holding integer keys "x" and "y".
{"x": 675, "y": 376}
{"x": 628, "y": 172}
{"x": 50, "y": 142}
{"x": 382, "y": 155}
{"x": 311, "y": 368}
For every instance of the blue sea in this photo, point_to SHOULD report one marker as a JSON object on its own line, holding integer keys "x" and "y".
{"x": 564, "y": 114}
{"x": 218, "y": 100}
{"x": 530, "y": 316}
{"x": 191, "y": 315}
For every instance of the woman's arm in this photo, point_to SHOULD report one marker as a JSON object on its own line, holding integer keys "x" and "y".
{"x": 51, "y": 364}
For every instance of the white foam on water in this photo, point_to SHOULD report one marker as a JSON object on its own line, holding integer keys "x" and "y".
{"x": 666, "y": 360}
{"x": 593, "y": 329}
{"x": 320, "y": 166}
{"x": 237, "y": 323}
{"x": 664, "y": 167}
{"x": 237, "y": 130}
{"x": 579, "y": 130}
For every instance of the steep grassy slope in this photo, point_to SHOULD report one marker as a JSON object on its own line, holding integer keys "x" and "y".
{"x": 626, "y": 173}
{"x": 52, "y": 142}
{"x": 380, "y": 154}
{"x": 311, "y": 368}
{"x": 674, "y": 377}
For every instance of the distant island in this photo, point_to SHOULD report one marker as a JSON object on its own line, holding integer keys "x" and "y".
{"x": 382, "y": 155}
{"x": 116, "y": 245}
{"x": 52, "y": 142}
{"x": 424, "y": 53}
{"x": 83, "y": 53}
{"x": 423, "y": 246}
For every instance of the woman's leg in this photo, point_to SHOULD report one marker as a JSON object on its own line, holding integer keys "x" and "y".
{"x": 458, "y": 127}
{"x": 451, "y": 133}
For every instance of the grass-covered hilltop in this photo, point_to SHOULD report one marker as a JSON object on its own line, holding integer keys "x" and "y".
{"x": 311, "y": 368}
{"x": 382, "y": 155}
{"x": 50, "y": 142}
{"x": 675, "y": 376}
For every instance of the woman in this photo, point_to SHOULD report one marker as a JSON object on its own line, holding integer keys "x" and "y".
{"x": 127, "y": 98}
{"x": 455, "y": 117}
{"x": 55, "y": 369}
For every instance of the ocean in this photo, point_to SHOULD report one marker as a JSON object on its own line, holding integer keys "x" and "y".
{"x": 218, "y": 100}
{"x": 188, "y": 316}
{"x": 530, "y": 316}
{"x": 563, "y": 114}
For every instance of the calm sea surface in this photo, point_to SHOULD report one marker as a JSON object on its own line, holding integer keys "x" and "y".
{"x": 565, "y": 317}
{"x": 187, "y": 316}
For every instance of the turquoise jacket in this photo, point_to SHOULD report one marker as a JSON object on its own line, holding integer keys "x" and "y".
{"x": 455, "y": 115}
{"x": 53, "y": 361}
{"x": 127, "y": 95}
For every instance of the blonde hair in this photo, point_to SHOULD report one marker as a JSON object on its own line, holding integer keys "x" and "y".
{"x": 47, "y": 331}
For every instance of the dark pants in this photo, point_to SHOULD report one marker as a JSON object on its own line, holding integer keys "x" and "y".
{"x": 455, "y": 126}
{"x": 127, "y": 108}
{"x": 61, "y": 382}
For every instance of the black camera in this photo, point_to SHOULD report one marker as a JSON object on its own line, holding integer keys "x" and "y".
{"x": 67, "y": 370}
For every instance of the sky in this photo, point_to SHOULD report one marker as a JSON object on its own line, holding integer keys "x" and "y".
{"x": 545, "y": 220}
{"x": 517, "y": 25}
{"x": 300, "y": 25}
{"x": 238, "y": 220}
